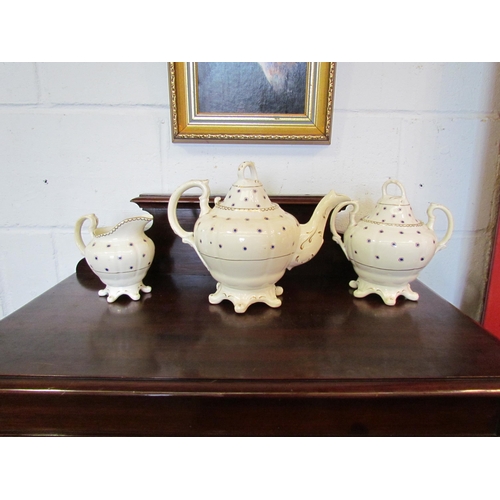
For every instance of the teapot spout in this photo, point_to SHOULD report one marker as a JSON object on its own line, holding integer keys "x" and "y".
{"x": 312, "y": 233}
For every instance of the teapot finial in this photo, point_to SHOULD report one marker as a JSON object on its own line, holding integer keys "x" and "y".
{"x": 250, "y": 165}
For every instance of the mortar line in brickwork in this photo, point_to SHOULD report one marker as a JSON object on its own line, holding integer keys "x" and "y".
{"x": 57, "y": 108}
{"x": 35, "y": 229}
{"x": 461, "y": 114}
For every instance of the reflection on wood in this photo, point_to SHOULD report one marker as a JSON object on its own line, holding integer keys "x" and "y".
{"x": 322, "y": 364}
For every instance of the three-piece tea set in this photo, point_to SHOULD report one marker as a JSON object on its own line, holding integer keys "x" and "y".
{"x": 247, "y": 242}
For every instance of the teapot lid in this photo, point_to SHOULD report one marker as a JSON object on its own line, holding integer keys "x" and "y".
{"x": 247, "y": 192}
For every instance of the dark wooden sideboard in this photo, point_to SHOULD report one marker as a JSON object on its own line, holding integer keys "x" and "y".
{"x": 323, "y": 364}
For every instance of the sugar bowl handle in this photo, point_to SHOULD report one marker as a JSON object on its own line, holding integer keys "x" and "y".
{"x": 352, "y": 220}
{"x": 430, "y": 223}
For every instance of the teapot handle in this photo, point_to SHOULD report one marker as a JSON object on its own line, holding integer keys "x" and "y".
{"x": 430, "y": 223}
{"x": 78, "y": 230}
{"x": 336, "y": 236}
{"x": 187, "y": 237}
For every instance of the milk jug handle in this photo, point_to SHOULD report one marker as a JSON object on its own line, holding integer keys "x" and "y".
{"x": 352, "y": 220}
{"x": 430, "y": 223}
{"x": 78, "y": 230}
{"x": 187, "y": 236}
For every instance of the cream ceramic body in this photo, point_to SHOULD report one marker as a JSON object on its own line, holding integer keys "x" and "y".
{"x": 247, "y": 242}
{"x": 389, "y": 247}
{"x": 120, "y": 256}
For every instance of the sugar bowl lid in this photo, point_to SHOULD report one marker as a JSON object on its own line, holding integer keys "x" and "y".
{"x": 247, "y": 192}
{"x": 393, "y": 210}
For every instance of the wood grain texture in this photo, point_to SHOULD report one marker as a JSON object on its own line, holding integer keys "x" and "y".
{"x": 324, "y": 363}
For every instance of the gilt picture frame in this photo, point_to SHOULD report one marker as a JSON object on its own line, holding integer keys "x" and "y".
{"x": 252, "y": 102}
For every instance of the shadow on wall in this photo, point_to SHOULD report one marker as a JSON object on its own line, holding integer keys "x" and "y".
{"x": 477, "y": 276}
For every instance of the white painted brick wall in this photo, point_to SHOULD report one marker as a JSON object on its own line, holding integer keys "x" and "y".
{"x": 18, "y": 83}
{"x": 103, "y": 83}
{"x": 77, "y": 138}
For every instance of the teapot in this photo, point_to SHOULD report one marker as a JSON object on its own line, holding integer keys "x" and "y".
{"x": 120, "y": 255}
{"x": 390, "y": 247}
{"x": 246, "y": 241}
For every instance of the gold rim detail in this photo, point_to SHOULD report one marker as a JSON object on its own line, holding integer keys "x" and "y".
{"x": 265, "y": 209}
{"x": 125, "y": 221}
{"x": 420, "y": 223}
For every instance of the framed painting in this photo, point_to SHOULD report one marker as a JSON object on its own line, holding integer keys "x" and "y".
{"x": 289, "y": 102}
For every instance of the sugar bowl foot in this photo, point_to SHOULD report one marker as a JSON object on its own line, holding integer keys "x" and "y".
{"x": 389, "y": 294}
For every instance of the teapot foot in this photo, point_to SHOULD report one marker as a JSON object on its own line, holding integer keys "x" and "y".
{"x": 388, "y": 293}
{"x": 113, "y": 292}
{"x": 241, "y": 298}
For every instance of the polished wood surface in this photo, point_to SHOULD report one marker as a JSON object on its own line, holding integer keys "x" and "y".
{"x": 324, "y": 363}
